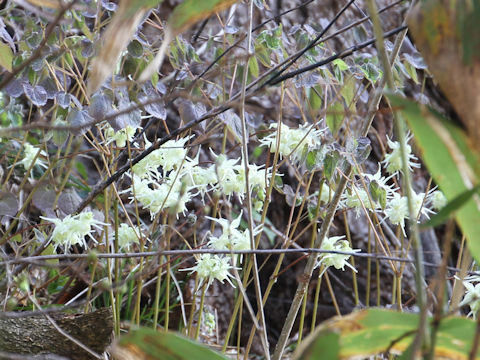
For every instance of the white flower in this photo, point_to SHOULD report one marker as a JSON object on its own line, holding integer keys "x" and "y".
{"x": 172, "y": 153}
{"x": 226, "y": 170}
{"x": 338, "y": 261}
{"x": 29, "y": 153}
{"x": 438, "y": 200}
{"x": 232, "y": 238}
{"x": 203, "y": 178}
{"x": 397, "y": 210}
{"x": 121, "y": 136}
{"x": 419, "y": 205}
{"x": 327, "y": 193}
{"x": 212, "y": 267}
{"x": 357, "y": 199}
{"x": 127, "y": 236}
{"x": 472, "y": 298}
{"x": 161, "y": 196}
{"x": 73, "y": 229}
{"x": 169, "y": 156}
{"x": 293, "y": 141}
{"x": 257, "y": 178}
{"x": 229, "y": 231}
{"x": 393, "y": 160}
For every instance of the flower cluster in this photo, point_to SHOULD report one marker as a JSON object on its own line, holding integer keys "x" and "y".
{"x": 127, "y": 236}
{"x": 156, "y": 196}
{"x": 169, "y": 156}
{"x": 393, "y": 160}
{"x": 338, "y": 261}
{"x": 231, "y": 176}
{"x": 121, "y": 136}
{"x": 216, "y": 267}
{"x": 383, "y": 196}
{"x": 72, "y": 230}
{"x": 472, "y": 296}
{"x": 292, "y": 142}
{"x": 29, "y": 154}
{"x": 168, "y": 179}
{"x": 232, "y": 238}
{"x": 212, "y": 267}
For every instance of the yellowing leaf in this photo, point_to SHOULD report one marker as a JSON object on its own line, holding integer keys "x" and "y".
{"x": 6, "y": 56}
{"x": 373, "y": 331}
{"x": 51, "y": 4}
{"x": 448, "y": 39}
{"x": 191, "y": 11}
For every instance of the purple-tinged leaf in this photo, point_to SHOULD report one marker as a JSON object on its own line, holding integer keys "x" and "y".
{"x": 156, "y": 109}
{"x": 233, "y": 122}
{"x": 100, "y": 105}
{"x": 14, "y": 88}
{"x": 90, "y": 13}
{"x": 162, "y": 89}
{"x": 63, "y": 99}
{"x": 132, "y": 118}
{"x": 8, "y": 204}
{"x": 36, "y": 94}
{"x": 87, "y": 48}
{"x": 50, "y": 87}
{"x": 37, "y": 65}
{"x": 108, "y": 5}
{"x": 44, "y": 199}
{"x": 68, "y": 201}
{"x": 79, "y": 119}
{"x": 229, "y": 29}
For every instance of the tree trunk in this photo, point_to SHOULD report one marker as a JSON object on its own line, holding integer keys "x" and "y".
{"x": 36, "y": 334}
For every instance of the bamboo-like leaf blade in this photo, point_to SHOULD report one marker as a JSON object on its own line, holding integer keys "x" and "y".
{"x": 146, "y": 343}
{"x": 450, "y": 160}
{"x": 374, "y": 331}
{"x": 190, "y": 12}
{"x": 450, "y": 208}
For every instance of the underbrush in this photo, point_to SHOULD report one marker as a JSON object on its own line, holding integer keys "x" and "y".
{"x": 251, "y": 189}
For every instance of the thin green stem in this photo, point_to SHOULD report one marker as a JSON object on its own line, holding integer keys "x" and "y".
{"x": 200, "y": 311}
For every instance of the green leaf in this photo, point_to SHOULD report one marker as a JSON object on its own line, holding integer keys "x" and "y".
{"x": 6, "y": 56}
{"x": 452, "y": 163}
{"x": 371, "y": 72}
{"x": 311, "y": 160}
{"x": 314, "y": 97}
{"x": 412, "y": 72}
{"x": 50, "y": 250}
{"x": 369, "y": 332}
{"x": 135, "y": 48}
{"x": 146, "y": 343}
{"x": 348, "y": 92}
{"x": 326, "y": 347}
{"x": 330, "y": 163}
{"x": 378, "y": 193}
{"x": 342, "y": 65}
{"x": 335, "y": 115}
{"x": 253, "y": 66}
